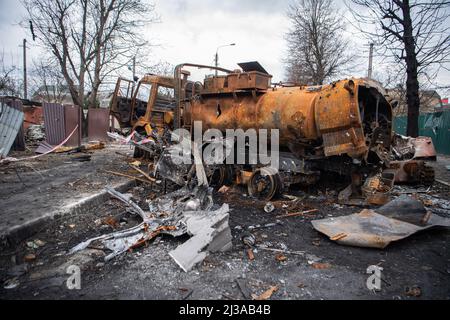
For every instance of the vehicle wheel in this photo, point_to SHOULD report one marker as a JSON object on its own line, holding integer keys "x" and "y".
{"x": 264, "y": 184}
{"x": 221, "y": 175}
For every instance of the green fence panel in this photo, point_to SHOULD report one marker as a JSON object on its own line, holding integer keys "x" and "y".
{"x": 434, "y": 125}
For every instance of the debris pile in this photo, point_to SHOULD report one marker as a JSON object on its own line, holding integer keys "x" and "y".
{"x": 35, "y": 133}
{"x": 413, "y": 148}
{"x": 188, "y": 210}
{"x": 181, "y": 212}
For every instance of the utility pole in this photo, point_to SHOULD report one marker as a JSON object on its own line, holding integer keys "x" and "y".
{"x": 216, "y": 61}
{"x": 25, "y": 86}
{"x": 216, "y": 58}
{"x": 369, "y": 73}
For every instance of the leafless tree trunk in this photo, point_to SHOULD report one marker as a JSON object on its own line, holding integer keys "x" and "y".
{"x": 415, "y": 33}
{"x": 316, "y": 46}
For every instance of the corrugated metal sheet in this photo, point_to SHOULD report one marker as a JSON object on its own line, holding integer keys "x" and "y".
{"x": 19, "y": 142}
{"x": 55, "y": 130}
{"x": 72, "y": 119}
{"x": 98, "y": 124}
{"x": 11, "y": 120}
{"x": 44, "y": 147}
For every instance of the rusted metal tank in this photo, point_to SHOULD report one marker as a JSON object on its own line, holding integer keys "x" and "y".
{"x": 342, "y": 117}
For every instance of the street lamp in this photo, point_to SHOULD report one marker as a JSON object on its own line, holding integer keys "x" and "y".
{"x": 217, "y": 54}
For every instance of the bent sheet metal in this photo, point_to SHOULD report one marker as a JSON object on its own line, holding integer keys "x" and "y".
{"x": 396, "y": 220}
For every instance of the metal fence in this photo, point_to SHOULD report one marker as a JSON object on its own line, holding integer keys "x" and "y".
{"x": 55, "y": 129}
{"x": 72, "y": 119}
{"x": 11, "y": 121}
{"x": 99, "y": 123}
{"x": 435, "y": 125}
{"x": 19, "y": 142}
{"x": 61, "y": 120}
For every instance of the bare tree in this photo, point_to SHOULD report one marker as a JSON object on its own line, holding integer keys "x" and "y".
{"x": 316, "y": 46}
{"x": 89, "y": 39}
{"x": 48, "y": 81}
{"x": 413, "y": 32}
{"x": 163, "y": 68}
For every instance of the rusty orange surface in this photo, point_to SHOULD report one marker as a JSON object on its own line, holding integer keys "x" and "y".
{"x": 330, "y": 112}
{"x": 424, "y": 148}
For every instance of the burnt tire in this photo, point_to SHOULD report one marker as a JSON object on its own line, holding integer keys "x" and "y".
{"x": 265, "y": 184}
{"x": 221, "y": 176}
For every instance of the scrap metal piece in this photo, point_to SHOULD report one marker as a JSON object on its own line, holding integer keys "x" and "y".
{"x": 410, "y": 155}
{"x": 266, "y": 294}
{"x": 168, "y": 215}
{"x": 269, "y": 207}
{"x": 376, "y": 189}
{"x": 121, "y": 241}
{"x": 133, "y": 207}
{"x": 44, "y": 147}
{"x": 420, "y": 148}
{"x": 179, "y": 201}
{"x": 397, "y": 220}
{"x": 248, "y": 239}
{"x": 210, "y": 233}
{"x": 171, "y": 167}
{"x": 412, "y": 171}
{"x": 172, "y": 164}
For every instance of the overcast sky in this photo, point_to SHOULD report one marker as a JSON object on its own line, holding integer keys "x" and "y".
{"x": 191, "y": 30}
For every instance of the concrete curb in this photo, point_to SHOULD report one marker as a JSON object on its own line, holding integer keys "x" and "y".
{"x": 18, "y": 233}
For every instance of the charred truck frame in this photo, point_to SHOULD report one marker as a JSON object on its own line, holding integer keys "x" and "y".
{"x": 344, "y": 127}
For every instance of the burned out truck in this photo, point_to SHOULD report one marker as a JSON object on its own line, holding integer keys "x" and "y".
{"x": 343, "y": 127}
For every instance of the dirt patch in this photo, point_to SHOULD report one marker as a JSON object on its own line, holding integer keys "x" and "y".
{"x": 34, "y": 189}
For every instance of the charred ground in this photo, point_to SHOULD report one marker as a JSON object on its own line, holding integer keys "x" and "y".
{"x": 326, "y": 270}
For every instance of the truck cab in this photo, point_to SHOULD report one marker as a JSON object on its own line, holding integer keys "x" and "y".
{"x": 146, "y": 105}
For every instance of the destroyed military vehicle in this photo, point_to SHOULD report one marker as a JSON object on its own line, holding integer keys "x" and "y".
{"x": 343, "y": 127}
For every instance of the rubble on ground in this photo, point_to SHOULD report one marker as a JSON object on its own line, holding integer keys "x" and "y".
{"x": 179, "y": 213}
{"x": 391, "y": 213}
{"x": 188, "y": 210}
{"x": 184, "y": 229}
{"x": 35, "y": 133}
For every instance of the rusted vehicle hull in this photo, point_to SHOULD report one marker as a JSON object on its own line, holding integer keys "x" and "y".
{"x": 343, "y": 127}
{"x": 341, "y": 117}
